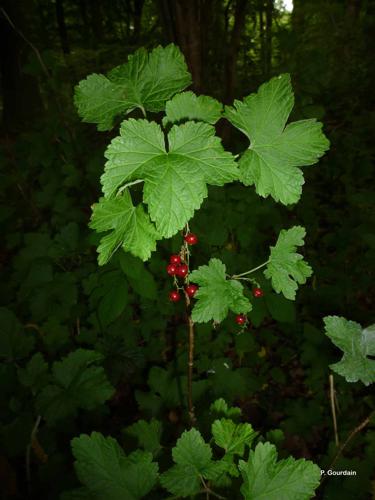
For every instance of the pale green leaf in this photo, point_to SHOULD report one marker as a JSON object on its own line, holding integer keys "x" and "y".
{"x": 77, "y": 383}
{"x": 148, "y": 434}
{"x": 146, "y": 81}
{"x": 98, "y": 100}
{"x": 104, "y": 469}
{"x": 286, "y": 269}
{"x": 276, "y": 150}
{"x": 268, "y": 479}
{"x": 357, "y": 345}
{"x": 174, "y": 175}
{"x": 130, "y": 228}
{"x": 192, "y": 457}
{"x": 188, "y": 106}
{"x": 220, "y": 406}
{"x": 181, "y": 480}
{"x": 232, "y": 437}
{"x": 217, "y": 295}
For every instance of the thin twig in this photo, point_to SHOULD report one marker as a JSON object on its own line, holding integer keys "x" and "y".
{"x": 19, "y": 32}
{"x": 208, "y": 490}
{"x": 28, "y": 451}
{"x": 236, "y": 276}
{"x": 333, "y": 408}
{"x": 190, "y": 371}
{"x": 352, "y": 434}
{"x": 185, "y": 253}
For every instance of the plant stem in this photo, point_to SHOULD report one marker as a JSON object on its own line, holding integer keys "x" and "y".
{"x": 333, "y": 408}
{"x": 138, "y": 181}
{"x": 353, "y": 433}
{"x": 28, "y": 451}
{"x": 186, "y": 257}
{"x": 236, "y": 276}
{"x": 190, "y": 362}
{"x": 208, "y": 490}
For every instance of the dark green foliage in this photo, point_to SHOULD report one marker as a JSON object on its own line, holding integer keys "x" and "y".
{"x": 121, "y": 342}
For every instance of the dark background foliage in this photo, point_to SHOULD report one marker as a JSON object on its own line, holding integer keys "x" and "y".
{"x": 277, "y": 371}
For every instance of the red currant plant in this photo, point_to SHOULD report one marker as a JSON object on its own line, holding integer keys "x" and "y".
{"x": 177, "y": 159}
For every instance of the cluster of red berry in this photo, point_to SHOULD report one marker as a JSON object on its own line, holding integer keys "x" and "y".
{"x": 177, "y": 268}
{"x": 241, "y": 319}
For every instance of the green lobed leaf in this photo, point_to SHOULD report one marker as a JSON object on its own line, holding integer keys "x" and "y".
{"x": 146, "y": 82}
{"x": 36, "y": 374}
{"x": 276, "y": 150}
{"x": 130, "y": 228}
{"x": 286, "y": 269}
{"x": 106, "y": 471}
{"x": 188, "y": 106}
{"x": 148, "y": 434}
{"x": 192, "y": 457}
{"x": 140, "y": 279}
{"x": 217, "y": 295}
{"x": 357, "y": 344}
{"x": 14, "y": 341}
{"x": 76, "y": 384}
{"x": 114, "y": 297}
{"x": 220, "y": 406}
{"x": 175, "y": 175}
{"x": 232, "y": 437}
{"x": 266, "y": 478}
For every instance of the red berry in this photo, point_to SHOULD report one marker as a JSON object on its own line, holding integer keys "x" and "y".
{"x": 241, "y": 319}
{"x": 182, "y": 270}
{"x": 258, "y": 292}
{"x": 191, "y": 289}
{"x": 172, "y": 269}
{"x": 191, "y": 239}
{"x": 175, "y": 259}
{"x": 174, "y": 296}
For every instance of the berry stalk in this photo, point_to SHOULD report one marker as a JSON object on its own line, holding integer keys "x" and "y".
{"x": 191, "y": 337}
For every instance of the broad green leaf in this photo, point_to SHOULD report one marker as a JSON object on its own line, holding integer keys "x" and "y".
{"x": 15, "y": 342}
{"x": 148, "y": 434}
{"x": 36, "y": 374}
{"x": 169, "y": 389}
{"x": 114, "y": 300}
{"x": 218, "y": 472}
{"x": 146, "y": 82}
{"x": 181, "y": 480}
{"x": 286, "y": 269}
{"x": 192, "y": 457}
{"x": 276, "y": 150}
{"x": 217, "y": 295}
{"x": 188, "y": 106}
{"x": 140, "y": 279}
{"x": 77, "y": 383}
{"x": 174, "y": 175}
{"x": 106, "y": 471}
{"x": 232, "y": 437}
{"x": 266, "y": 478}
{"x": 130, "y": 228}
{"x": 220, "y": 406}
{"x": 357, "y": 345}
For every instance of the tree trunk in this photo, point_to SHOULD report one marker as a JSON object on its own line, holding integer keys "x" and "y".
{"x": 268, "y": 39}
{"x": 232, "y": 51}
{"x": 21, "y": 96}
{"x": 60, "y": 17}
{"x": 96, "y": 18}
{"x": 137, "y": 16}
{"x": 185, "y": 23}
